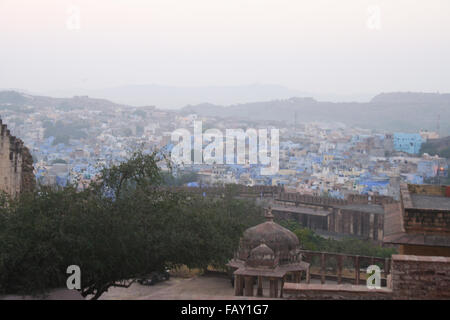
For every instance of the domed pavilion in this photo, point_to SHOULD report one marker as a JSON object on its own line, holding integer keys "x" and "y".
{"x": 267, "y": 252}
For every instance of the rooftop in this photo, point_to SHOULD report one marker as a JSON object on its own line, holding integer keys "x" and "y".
{"x": 423, "y": 217}
{"x": 422, "y": 201}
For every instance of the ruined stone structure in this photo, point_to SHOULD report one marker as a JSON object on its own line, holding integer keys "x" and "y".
{"x": 361, "y": 216}
{"x": 16, "y": 164}
{"x": 358, "y": 215}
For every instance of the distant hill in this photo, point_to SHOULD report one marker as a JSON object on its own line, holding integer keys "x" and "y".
{"x": 172, "y": 97}
{"x": 19, "y": 100}
{"x": 439, "y": 147}
{"x": 411, "y": 97}
{"x": 407, "y": 112}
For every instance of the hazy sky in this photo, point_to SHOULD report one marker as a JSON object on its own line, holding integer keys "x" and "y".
{"x": 315, "y": 46}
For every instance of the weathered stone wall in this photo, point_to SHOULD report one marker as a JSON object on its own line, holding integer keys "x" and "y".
{"x": 420, "y": 277}
{"x": 362, "y": 198}
{"x": 417, "y": 250}
{"x": 307, "y": 199}
{"x": 424, "y": 220}
{"x": 345, "y": 221}
{"x": 16, "y": 164}
{"x": 428, "y": 189}
{"x": 254, "y": 191}
{"x": 427, "y": 220}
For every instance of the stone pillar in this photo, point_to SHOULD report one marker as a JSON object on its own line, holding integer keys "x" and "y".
{"x": 375, "y": 227}
{"x": 260, "y": 287}
{"x": 322, "y": 268}
{"x": 357, "y": 275}
{"x": 238, "y": 286}
{"x": 299, "y": 277}
{"x": 273, "y": 288}
{"x": 371, "y": 221}
{"x": 337, "y": 224}
{"x": 308, "y": 276}
{"x": 281, "y": 287}
{"x": 248, "y": 286}
{"x": 381, "y": 228}
{"x": 351, "y": 223}
{"x": 359, "y": 224}
{"x": 277, "y": 283}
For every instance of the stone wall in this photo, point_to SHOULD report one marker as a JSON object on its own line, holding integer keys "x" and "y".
{"x": 420, "y": 277}
{"x": 340, "y": 220}
{"x": 375, "y": 199}
{"x": 428, "y": 189}
{"x": 424, "y": 220}
{"x": 16, "y": 164}
{"x": 240, "y": 190}
{"x": 307, "y": 199}
{"x": 427, "y": 220}
{"x": 303, "y": 291}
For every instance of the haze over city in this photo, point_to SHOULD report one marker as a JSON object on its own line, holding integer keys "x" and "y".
{"x": 337, "y": 51}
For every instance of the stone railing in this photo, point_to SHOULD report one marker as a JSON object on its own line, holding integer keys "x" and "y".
{"x": 307, "y": 199}
{"x": 411, "y": 277}
{"x": 341, "y": 268}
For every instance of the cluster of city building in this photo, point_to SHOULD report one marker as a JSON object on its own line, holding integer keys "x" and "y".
{"x": 71, "y": 145}
{"x": 334, "y": 160}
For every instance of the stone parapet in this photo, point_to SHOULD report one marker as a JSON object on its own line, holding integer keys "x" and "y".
{"x": 420, "y": 277}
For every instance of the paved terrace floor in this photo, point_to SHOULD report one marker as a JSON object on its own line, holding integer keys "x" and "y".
{"x": 195, "y": 288}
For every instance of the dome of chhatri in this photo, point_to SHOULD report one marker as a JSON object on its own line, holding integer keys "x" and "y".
{"x": 262, "y": 256}
{"x": 262, "y": 251}
{"x": 282, "y": 241}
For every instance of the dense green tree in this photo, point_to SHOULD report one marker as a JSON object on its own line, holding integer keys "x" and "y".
{"x": 117, "y": 230}
{"x": 311, "y": 241}
{"x": 180, "y": 179}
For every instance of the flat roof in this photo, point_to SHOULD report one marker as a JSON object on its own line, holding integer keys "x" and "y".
{"x": 422, "y": 201}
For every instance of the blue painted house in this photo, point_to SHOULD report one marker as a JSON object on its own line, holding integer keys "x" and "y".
{"x": 407, "y": 142}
